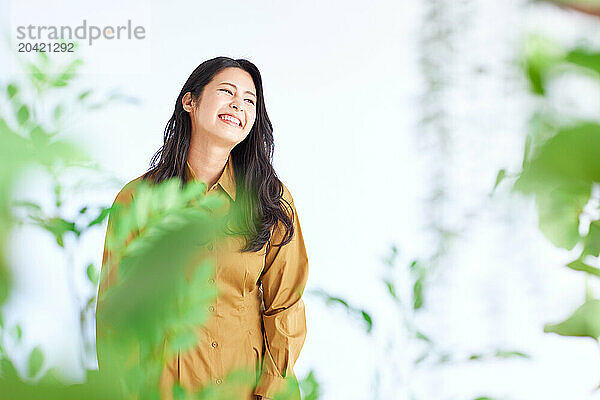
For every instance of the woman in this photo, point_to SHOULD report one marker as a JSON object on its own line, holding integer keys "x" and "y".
{"x": 220, "y": 134}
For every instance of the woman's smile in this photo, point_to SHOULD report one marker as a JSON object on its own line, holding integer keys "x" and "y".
{"x": 228, "y": 119}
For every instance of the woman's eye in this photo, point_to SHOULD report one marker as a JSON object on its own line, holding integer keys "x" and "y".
{"x": 231, "y": 93}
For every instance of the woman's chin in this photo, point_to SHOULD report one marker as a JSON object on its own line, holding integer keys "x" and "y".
{"x": 230, "y": 136}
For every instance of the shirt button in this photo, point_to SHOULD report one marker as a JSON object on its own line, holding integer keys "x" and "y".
{"x": 214, "y": 344}
{"x": 211, "y": 308}
{"x": 210, "y": 247}
{"x": 211, "y": 280}
{"x": 218, "y": 381}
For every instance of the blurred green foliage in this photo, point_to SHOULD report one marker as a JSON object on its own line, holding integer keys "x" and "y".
{"x": 561, "y": 168}
{"x": 25, "y": 141}
{"x": 407, "y": 305}
{"x": 35, "y": 112}
{"x": 354, "y": 311}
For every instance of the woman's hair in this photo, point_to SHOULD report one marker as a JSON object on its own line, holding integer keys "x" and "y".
{"x": 259, "y": 192}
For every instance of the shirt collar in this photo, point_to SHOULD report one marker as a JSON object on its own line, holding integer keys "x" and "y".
{"x": 226, "y": 179}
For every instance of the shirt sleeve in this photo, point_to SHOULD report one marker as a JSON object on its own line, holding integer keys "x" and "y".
{"x": 283, "y": 280}
{"x": 109, "y": 268}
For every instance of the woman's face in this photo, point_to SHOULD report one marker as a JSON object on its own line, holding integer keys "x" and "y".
{"x": 227, "y": 108}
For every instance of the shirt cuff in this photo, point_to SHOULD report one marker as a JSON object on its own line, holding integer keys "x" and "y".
{"x": 271, "y": 385}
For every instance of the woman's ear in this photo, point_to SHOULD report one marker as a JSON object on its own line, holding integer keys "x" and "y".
{"x": 187, "y": 102}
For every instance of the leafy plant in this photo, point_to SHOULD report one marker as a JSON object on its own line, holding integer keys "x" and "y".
{"x": 561, "y": 167}
{"x": 408, "y": 304}
{"x": 38, "y": 110}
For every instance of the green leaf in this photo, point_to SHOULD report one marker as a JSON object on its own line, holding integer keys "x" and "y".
{"x": 83, "y": 95}
{"x": 541, "y": 126}
{"x": 369, "y": 321}
{"x": 310, "y": 387}
{"x": 12, "y": 90}
{"x": 332, "y": 299}
{"x": 104, "y": 212}
{"x": 536, "y": 80}
{"x": 58, "y": 227}
{"x": 421, "y": 358}
{"x": 169, "y": 196}
{"x": 585, "y": 58}
{"x": 193, "y": 304}
{"x": 8, "y": 371}
{"x": 390, "y": 260}
{"x": 541, "y": 55}
{"x": 36, "y": 73}
{"x": 579, "y": 265}
{"x": 422, "y": 336}
{"x": 23, "y": 114}
{"x": 17, "y": 332}
{"x": 570, "y": 157}
{"x": 183, "y": 340}
{"x": 36, "y": 359}
{"x": 144, "y": 203}
{"x": 60, "y": 150}
{"x": 213, "y": 202}
{"x": 591, "y": 242}
{"x": 560, "y": 175}
{"x": 193, "y": 190}
{"x": 68, "y": 74}
{"x": 28, "y": 204}
{"x": 501, "y": 175}
{"x": 39, "y": 137}
{"x": 510, "y": 354}
{"x": 92, "y": 274}
{"x": 559, "y": 214}
{"x": 392, "y": 290}
{"x": 72, "y": 68}
{"x": 585, "y": 321}
{"x": 418, "y": 294}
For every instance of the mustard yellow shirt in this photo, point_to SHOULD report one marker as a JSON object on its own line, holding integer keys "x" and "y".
{"x": 258, "y": 320}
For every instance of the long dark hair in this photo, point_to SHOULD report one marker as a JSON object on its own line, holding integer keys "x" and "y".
{"x": 259, "y": 192}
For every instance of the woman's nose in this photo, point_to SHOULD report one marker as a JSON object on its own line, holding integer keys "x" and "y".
{"x": 235, "y": 105}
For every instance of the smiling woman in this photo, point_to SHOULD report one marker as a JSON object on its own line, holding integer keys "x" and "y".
{"x": 220, "y": 134}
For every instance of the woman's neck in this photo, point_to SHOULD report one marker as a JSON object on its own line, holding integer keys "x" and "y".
{"x": 207, "y": 161}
